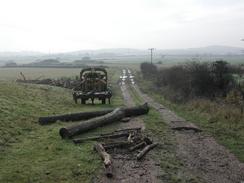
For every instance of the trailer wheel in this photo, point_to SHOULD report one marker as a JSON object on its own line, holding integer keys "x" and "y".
{"x": 109, "y": 100}
{"x": 103, "y": 101}
{"x": 75, "y": 98}
{"x": 83, "y": 101}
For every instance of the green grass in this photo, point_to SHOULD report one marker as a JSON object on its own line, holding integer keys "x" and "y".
{"x": 34, "y": 73}
{"x": 137, "y": 99}
{"x": 33, "y": 153}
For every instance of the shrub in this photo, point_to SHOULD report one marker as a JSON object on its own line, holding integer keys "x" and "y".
{"x": 194, "y": 79}
{"x": 148, "y": 70}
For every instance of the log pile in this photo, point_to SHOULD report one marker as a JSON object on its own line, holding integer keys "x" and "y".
{"x": 114, "y": 116}
{"x": 128, "y": 112}
{"x": 62, "y": 82}
{"x": 129, "y": 141}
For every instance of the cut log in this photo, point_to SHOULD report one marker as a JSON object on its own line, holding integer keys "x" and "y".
{"x": 137, "y": 146}
{"x": 93, "y": 123}
{"x": 129, "y": 129}
{"x": 147, "y": 140}
{"x": 137, "y": 110}
{"x": 115, "y": 115}
{"x": 107, "y": 160}
{"x": 129, "y": 112}
{"x": 102, "y": 136}
{"x": 118, "y": 144}
{"x": 145, "y": 150}
{"x": 73, "y": 116}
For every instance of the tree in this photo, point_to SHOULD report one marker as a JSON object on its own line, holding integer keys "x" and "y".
{"x": 221, "y": 74}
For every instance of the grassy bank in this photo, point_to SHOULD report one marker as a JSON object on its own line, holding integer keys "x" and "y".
{"x": 33, "y": 153}
{"x": 224, "y": 122}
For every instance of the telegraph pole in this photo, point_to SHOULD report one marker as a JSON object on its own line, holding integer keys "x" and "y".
{"x": 242, "y": 40}
{"x": 151, "y": 49}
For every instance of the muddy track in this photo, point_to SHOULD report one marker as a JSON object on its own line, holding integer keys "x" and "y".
{"x": 201, "y": 155}
{"x": 126, "y": 168}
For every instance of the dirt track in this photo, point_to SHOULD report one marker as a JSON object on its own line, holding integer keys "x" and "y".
{"x": 201, "y": 155}
{"x": 126, "y": 168}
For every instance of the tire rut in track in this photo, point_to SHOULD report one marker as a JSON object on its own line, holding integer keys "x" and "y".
{"x": 126, "y": 168}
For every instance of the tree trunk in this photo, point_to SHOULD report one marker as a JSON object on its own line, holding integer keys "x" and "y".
{"x": 93, "y": 123}
{"x": 131, "y": 111}
{"x": 137, "y": 110}
{"x": 108, "y": 136}
{"x": 73, "y": 116}
{"x": 115, "y": 115}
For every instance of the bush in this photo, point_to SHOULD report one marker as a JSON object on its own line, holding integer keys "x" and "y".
{"x": 148, "y": 70}
{"x": 201, "y": 80}
{"x": 221, "y": 76}
{"x": 194, "y": 79}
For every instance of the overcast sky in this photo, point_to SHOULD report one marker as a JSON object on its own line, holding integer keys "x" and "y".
{"x": 68, "y": 25}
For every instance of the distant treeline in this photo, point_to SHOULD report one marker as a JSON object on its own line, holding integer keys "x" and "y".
{"x": 55, "y": 63}
{"x": 196, "y": 79}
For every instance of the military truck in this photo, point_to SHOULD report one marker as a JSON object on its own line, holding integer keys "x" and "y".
{"x": 93, "y": 85}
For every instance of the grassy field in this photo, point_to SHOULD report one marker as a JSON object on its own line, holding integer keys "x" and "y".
{"x": 33, "y": 153}
{"x": 34, "y": 73}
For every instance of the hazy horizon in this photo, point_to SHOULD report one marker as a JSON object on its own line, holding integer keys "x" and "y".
{"x": 62, "y": 26}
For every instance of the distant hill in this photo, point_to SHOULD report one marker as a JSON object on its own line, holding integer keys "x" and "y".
{"x": 209, "y": 50}
{"x": 20, "y": 53}
{"x": 115, "y": 53}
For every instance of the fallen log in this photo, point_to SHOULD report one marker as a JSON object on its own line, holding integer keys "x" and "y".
{"x": 107, "y": 160}
{"x": 147, "y": 140}
{"x": 73, "y": 116}
{"x": 115, "y": 134}
{"x": 118, "y": 144}
{"x": 145, "y": 150}
{"x": 137, "y": 146}
{"x": 129, "y": 129}
{"x": 129, "y": 112}
{"x": 115, "y": 115}
{"x": 109, "y": 136}
{"x": 93, "y": 123}
{"x": 137, "y": 110}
